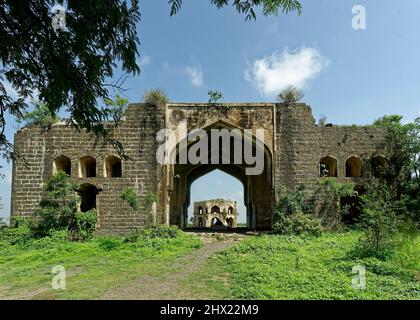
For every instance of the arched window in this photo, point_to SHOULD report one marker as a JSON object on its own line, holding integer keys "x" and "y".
{"x": 87, "y": 194}
{"x": 62, "y": 163}
{"x": 200, "y": 222}
{"x": 378, "y": 166}
{"x": 353, "y": 167}
{"x": 200, "y": 210}
{"x": 229, "y": 222}
{"x": 230, "y": 210}
{"x": 215, "y": 209}
{"x": 328, "y": 167}
{"x": 87, "y": 168}
{"x": 113, "y": 167}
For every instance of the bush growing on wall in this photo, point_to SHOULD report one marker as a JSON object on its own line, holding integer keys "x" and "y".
{"x": 294, "y": 213}
{"x": 131, "y": 197}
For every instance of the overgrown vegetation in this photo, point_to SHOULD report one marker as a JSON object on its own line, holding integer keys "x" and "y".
{"x": 115, "y": 108}
{"x": 59, "y": 211}
{"x": 93, "y": 268}
{"x": 290, "y": 94}
{"x": 294, "y": 213}
{"x": 40, "y": 116}
{"x": 131, "y": 197}
{"x": 156, "y": 98}
{"x": 292, "y": 267}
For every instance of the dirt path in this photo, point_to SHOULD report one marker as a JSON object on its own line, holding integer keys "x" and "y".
{"x": 169, "y": 286}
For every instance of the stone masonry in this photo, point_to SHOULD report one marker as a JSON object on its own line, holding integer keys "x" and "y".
{"x": 295, "y": 151}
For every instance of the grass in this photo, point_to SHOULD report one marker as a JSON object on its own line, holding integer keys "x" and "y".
{"x": 288, "y": 267}
{"x": 92, "y": 267}
{"x": 259, "y": 267}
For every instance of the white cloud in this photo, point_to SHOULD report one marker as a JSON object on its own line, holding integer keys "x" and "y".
{"x": 195, "y": 75}
{"x": 273, "y": 73}
{"x": 144, "y": 61}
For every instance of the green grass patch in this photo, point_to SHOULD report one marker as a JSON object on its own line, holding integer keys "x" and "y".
{"x": 292, "y": 267}
{"x": 92, "y": 267}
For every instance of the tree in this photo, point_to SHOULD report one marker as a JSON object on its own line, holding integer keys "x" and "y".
{"x": 402, "y": 147}
{"x": 380, "y": 218}
{"x": 40, "y": 116}
{"x": 290, "y": 94}
{"x": 70, "y": 65}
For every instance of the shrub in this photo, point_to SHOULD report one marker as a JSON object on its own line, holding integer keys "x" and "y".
{"x": 156, "y": 98}
{"x": 86, "y": 224}
{"x": 155, "y": 231}
{"x": 328, "y": 197}
{"x": 115, "y": 109}
{"x": 298, "y": 224}
{"x": 108, "y": 243}
{"x": 15, "y": 235}
{"x": 293, "y": 213}
{"x": 379, "y": 220}
{"x": 130, "y": 195}
{"x": 290, "y": 94}
{"x": 40, "y": 116}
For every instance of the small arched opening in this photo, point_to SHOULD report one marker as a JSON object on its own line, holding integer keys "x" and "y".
{"x": 216, "y": 223}
{"x": 328, "y": 167}
{"x": 215, "y": 209}
{"x": 230, "y": 210}
{"x": 87, "y": 167}
{"x": 113, "y": 167}
{"x": 200, "y": 210}
{"x": 62, "y": 163}
{"x": 229, "y": 222}
{"x": 353, "y": 167}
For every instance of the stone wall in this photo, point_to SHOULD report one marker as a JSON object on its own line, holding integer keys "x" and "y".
{"x": 295, "y": 146}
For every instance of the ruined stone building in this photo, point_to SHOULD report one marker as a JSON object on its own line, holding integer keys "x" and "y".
{"x": 295, "y": 151}
{"x": 215, "y": 213}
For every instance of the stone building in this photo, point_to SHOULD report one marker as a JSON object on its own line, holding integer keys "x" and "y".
{"x": 295, "y": 151}
{"x": 215, "y": 213}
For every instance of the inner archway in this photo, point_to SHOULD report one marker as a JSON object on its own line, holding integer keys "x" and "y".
{"x": 212, "y": 186}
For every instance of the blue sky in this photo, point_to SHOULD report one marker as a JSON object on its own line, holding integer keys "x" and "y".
{"x": 351, "y": 76}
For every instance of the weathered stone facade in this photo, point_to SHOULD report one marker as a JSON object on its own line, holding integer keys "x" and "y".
{"x": 215, "y": 213}
{"x": 295, "y": 149}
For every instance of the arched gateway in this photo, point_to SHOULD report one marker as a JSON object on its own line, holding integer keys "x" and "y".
{"x": 264, "y": 145}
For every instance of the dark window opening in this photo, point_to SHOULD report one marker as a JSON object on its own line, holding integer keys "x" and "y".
{"x": 328, "y": 167}
{"x": 87, "y": 167}
{"x": 62, "y": 163}
{"x": 353, "y": 167}
{"x": 113, "y": 167}
{"x": 88, "y": 195}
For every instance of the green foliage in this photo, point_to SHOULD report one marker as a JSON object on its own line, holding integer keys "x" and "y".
{"x": 298, "y": 224}
{"x": 41, "y": 116}
{"x": 328, "y": 197}
{"x": 293, "y": 213}
{"x": 322, "y": 120}
{"x": 291, "y": 267}
{"x": 93, "y": 267}
{"x": 115, "y": 109}
{"x": 131, "y": 197}
{"x": 156, "y": 98}
{"x": 150, "y": 199}
{"x": 85, "y": 224}
{"x": 402, "y": 146}
{"x": 214, "y": 97}
{"x": 290, "y": 95}
{"x": 109, "y": 243}
{"x": 380, "y": 219}
{"x": 18, "y": 235}
{"x": 60, "y": 211}
{"x": 247, "y": 7}
{"x": 155, "y": 231}
{"x": 67, "y": 67}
